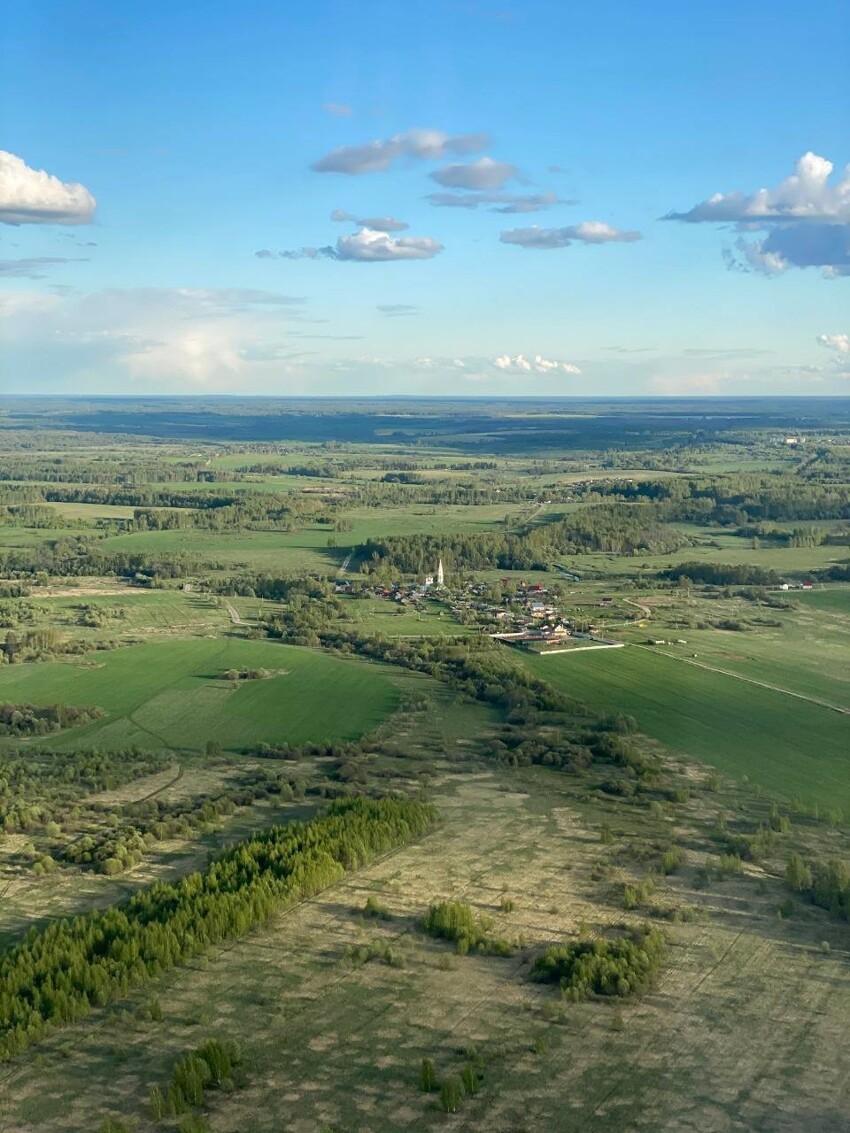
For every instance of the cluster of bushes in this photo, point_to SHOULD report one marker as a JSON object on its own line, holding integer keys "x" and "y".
{"x": 58, "y": 973}
{"x": 246, "y": 674}
{"x": 455, "y": 921}
{"x": 453, "y": 1087}
{"x": 621, "y": 966}
{"x": 38, "y": 720}
{"x": 824, "y": 883}
{"x": 759, "y": 844}
{"x": 210, "y": 1067}
{"x": 574, "y": 745}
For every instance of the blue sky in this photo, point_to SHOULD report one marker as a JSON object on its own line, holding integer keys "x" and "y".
{"x": 152, "y": 151}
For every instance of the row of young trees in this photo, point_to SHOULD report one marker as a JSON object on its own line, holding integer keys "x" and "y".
{"x": 59, "y": 973}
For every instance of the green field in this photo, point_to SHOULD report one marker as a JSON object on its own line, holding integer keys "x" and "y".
{"x": 789, "y": 746}
{"x": 172, "y": 693}
{"x": 834, "y": 601}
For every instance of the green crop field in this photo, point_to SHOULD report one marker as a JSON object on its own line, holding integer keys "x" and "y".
{"x": 789, "y": 746}
{"x": 173, "y": 694}
{"x": 834, "y": 601}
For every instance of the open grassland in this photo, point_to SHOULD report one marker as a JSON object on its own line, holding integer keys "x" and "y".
{"x": 125, "y": 608}
{"x": 744, "y": 1031}
{"x": 88, "y": 512}
{"x": 788, "y": 746}
{"x": 172, "y": 694}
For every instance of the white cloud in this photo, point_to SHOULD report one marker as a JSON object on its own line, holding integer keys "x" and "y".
{"x": 588, "y": 232}
{"x": 485, "y": 173}
{"x": 805, "y": 195}
{"x": 32, "y": 196}
{"x": 368, "y": 245}
{"x": 365, "y": 246}
{"x": 379, "y": 223}
{"x": 538, "y": 364}
{"x": 380, "y": 155}
{"x": 839, "y": 342}
{"x": 337, "y": 109}
{"x": 806, "y": 217}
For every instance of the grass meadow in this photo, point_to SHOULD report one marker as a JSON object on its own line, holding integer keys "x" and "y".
{"x": 172, "y": 693}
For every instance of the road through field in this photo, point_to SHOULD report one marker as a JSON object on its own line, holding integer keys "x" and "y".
{"x": 234, "y": 615}
{"x": 749, "y": 680}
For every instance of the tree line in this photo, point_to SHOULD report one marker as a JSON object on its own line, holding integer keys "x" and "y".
{"x": 59, "y": 973}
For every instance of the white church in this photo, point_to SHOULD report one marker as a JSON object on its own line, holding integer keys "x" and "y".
{"x": 439, "y": 579}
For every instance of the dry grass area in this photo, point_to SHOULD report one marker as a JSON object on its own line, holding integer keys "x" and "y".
{"x": 745, "y": 1030}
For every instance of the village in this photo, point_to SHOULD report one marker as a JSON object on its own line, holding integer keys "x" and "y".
{"x": 519, "y": 613}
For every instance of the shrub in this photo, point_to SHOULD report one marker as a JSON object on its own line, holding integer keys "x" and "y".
{"x": 470, "y": 1078}
{"x": 374, "y": 909}
{"x": 454, "y": 920}
{"x": 451, "y": 1094}
{"x": 622, "y": 966}
{"x": 427, "y": 1076}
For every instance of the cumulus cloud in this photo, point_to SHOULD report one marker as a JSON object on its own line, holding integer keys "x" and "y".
{"x": 806, "y": 218}
{"x": 380, "y": 155}
{"x": 485, "y": 173}
{"x": 397, "y": 310}
{"x": 378, "y": 223}
{"x": 367, "y": 246}
{"x": 538, "y": 364}
{"x": 498, "y": 201}
{"x": 838, "y": 342}
{"x": 588, "y": 232}
{"x": 805, "y": 195}
{"x": 32, "y": 196}
{"x": 337, "y": 109}
{"x": 33, "y": 268}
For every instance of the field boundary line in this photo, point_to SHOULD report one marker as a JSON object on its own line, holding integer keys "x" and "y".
{"x": 750, "y": 680}
{"x": 582, "y": 648}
